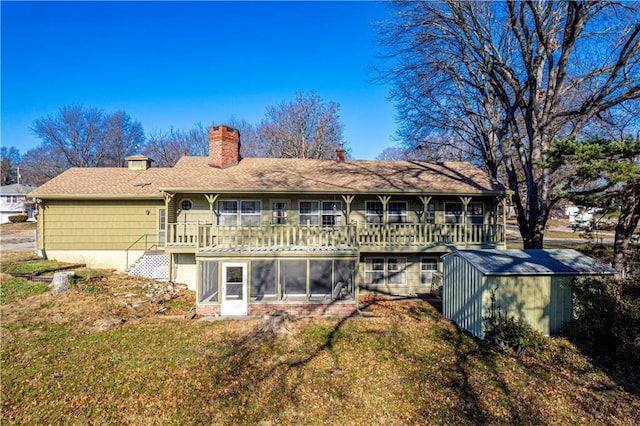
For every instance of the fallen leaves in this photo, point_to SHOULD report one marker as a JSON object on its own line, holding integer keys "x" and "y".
{"x": 405, "y": 364}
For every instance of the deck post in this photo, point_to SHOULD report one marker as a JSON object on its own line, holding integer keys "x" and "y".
{"x": 465, "y": 206}
{"x": 425, "y": 207}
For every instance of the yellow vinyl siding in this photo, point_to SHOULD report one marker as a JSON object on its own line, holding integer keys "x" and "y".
{"x": 200, "y": 212}
{"x": 97, "y": 225}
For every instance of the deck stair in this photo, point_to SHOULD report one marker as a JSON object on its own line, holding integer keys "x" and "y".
{"x": 152, "y": 264}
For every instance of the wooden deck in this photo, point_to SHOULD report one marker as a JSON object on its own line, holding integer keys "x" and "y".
{"x": 207, "y": 237}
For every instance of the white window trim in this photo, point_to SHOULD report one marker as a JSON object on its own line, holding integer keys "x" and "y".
{"x": 367, "y": 213}
{"x": 385, "y": 271}
{"x": 423, "y": 263}
{"x": 469, "y": 215}
{"x": 238, "y": 214}
{"x": 321, "y": 213}
{"x": 430, "y": 214}
{"x": 274, "y": 211}
{"x": 257, "y": 213}
{"x": 404, "y": 214}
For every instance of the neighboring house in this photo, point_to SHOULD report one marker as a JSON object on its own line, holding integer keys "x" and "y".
{"x": 579, "y": 216}
{"x": 251, "y": 235}
{"x": 13, "y": 201}
{"x": 527, "y": 284}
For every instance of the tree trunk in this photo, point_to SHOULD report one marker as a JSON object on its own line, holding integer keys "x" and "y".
{"x": 627, "y": 223}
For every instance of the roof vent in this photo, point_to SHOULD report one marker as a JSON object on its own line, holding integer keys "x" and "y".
{"x": 138, "y": 162}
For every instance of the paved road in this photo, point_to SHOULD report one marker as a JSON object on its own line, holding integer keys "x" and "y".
{"x": 17, "y": 241}
{"x": 513, "y": 236}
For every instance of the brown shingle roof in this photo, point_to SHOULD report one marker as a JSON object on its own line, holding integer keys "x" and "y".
{"x": 275, "y": 175}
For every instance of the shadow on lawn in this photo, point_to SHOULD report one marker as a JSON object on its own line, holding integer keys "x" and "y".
{"x": 259, "y": 377}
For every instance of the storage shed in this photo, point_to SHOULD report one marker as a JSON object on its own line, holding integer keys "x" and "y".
{"x": 528, "y": 284}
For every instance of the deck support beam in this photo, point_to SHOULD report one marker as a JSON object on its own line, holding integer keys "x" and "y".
{"x": 384, "y": 199}
{"x": 348, "y": 199}
{"x": 425, "y": 205}
{"x": 211, "y": 199}
{"x": 465, "y": 207}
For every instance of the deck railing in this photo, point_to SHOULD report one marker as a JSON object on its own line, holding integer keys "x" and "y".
{"x": 342, "y": 236}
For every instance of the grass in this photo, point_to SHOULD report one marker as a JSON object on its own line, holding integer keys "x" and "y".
{"x": 30, "y": 266}
{"x": 15, "y": 288}
{"x": 405, "y": 365}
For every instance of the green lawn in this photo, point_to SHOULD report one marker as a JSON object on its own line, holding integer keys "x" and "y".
{"x": 405, "y": 365}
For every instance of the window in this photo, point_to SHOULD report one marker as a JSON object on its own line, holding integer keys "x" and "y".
{"x": 327, "y": 213}
{"x": 279, "y": 213}
{"x": 374, "y": 212}
{"x": 208, "y": 281}
{"x": 320, "y": 277}
{"x": 397, "y": 212}
{"x": 430, "y": 214}
{"x": 396, "y": 270}
{"x": 392, "y": 270}
{"x": 428, "y": 265}
{"x": 186, "y": 205}
{"x": 309, "y": 212}
{"x": 162, "y": 226}
{"x": 263, "y": 279}
{"x": 248, "y": 214}
{"x": 293, "y": 277}
{"x": 227, "y": 213}
{"x": 374, "y": 270}
{"x": 331, "y": 213}
{"x": 453, "y": 213}
{"x": 475, "y": 213}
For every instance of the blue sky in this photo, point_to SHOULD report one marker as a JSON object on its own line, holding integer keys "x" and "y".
{"x": 180, "y": 63}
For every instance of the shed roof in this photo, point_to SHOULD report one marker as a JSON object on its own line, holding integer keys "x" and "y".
{"x": 533, "y": 262}
{"x": 275, "y": 175}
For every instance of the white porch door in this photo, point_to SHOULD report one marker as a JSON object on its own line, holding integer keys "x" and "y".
{"x": 234, "y": 289}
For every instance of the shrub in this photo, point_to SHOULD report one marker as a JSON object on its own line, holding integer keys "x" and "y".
{"x": 607, "y": 315}
{"x": 516, "y": 332}
{"x": 18, "y": 218}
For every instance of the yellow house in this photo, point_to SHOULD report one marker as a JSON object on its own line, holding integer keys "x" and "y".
{"x": 251, "y": 235}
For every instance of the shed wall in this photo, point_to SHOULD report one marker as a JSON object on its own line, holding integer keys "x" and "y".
{"x": 544, "y": 301}
{"x": 462, "y": 294}
{"x": 522, "y": 296}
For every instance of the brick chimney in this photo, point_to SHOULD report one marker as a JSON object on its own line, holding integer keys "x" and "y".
{"x": 341, "y": 154}
{"x": 224, "y": 146}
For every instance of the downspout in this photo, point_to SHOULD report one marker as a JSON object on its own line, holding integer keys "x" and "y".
{"x": 40, "y": 227}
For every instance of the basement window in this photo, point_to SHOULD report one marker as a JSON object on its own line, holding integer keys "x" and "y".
{"x": 428, "y": 265}
{"x": 390, "y": 270}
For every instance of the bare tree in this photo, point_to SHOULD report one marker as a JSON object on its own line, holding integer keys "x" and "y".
{"x": 122, "y": 137}
{"x": 307, "y": 127}
{"x": 252, "y": 145}
{"x": 511, "y": 77}
{"x": 41, "y": 164}
{"x": 76, "y": 132}
{"x": 9, "y": 160}
{"x": 167, "y": 147}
